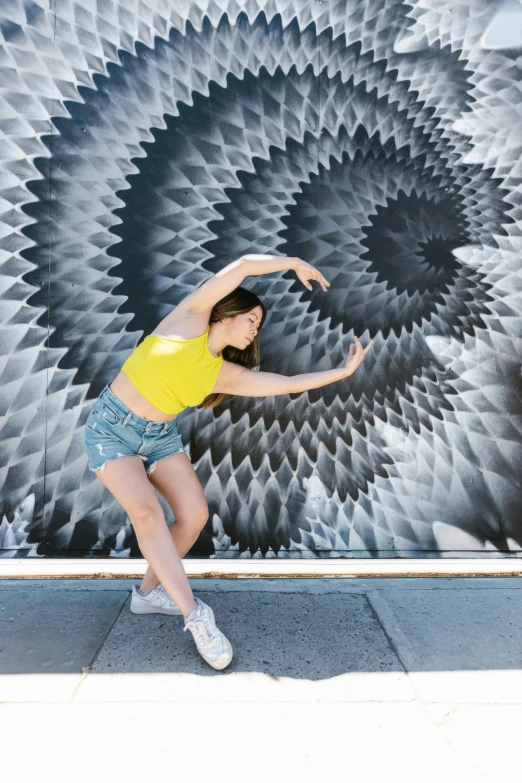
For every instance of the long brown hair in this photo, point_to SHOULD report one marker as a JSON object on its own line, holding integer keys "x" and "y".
{"x": 238, "y": 301}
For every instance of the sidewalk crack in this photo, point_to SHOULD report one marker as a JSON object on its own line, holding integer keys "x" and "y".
{"x": 87, "y": 669}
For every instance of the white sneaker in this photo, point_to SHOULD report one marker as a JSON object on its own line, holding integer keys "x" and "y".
{"x": 213, "y": 646}
{"x": 155, "y": 602}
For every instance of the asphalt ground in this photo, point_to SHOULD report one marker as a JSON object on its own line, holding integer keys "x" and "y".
{"x": 359, "y": 678}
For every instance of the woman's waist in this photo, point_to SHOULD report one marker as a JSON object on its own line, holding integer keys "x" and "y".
{"x": 123, "y": 388}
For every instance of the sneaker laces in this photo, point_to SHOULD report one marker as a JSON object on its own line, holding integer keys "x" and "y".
{"x": 160, "y": 589}
{"x": 204, "y": 630}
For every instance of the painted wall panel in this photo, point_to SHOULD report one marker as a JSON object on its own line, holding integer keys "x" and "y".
{"x": 147, "y": 145}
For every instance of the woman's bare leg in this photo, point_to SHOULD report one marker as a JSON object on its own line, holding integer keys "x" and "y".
{"x": 183, "y": 537}
{"x": 176, "y": 480}
{"x": 127, "y": 480}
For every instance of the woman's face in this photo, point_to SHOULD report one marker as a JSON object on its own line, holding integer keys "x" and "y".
{"x": 244, "y": 327}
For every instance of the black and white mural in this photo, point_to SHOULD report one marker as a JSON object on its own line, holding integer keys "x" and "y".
{"x": 147, "y": 144}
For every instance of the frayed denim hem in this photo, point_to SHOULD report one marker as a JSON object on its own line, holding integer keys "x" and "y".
{"x": 101, "y": 468}
{"x": 153, "y": 466}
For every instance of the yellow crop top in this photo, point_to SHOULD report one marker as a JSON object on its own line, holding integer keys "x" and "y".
{"x": 173, "y": 373}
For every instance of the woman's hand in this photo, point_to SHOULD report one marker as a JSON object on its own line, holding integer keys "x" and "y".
{"x": 262, "y": 264}
{"x": 356, "y": 355}
{"x": 306, "y": 272}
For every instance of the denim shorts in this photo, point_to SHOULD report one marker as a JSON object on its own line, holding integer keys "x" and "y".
{"x": 112, "y": 431}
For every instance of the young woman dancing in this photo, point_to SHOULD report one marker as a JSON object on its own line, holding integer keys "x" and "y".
{"x": 203, "y": 351}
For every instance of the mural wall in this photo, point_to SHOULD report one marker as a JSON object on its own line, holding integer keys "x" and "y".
{"x": 147, "y": 144}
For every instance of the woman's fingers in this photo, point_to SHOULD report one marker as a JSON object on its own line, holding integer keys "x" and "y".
{"x": 356, "y": 354}
{"x": 306, "y": 271}
{"x": 360, "y": 352}
{"x": 323, "y": 282}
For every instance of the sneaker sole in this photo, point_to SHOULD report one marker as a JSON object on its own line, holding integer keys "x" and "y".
{"x": 215, "y": 665}
{"x": 218, "y": 665}
{"x": 154, "y": 610}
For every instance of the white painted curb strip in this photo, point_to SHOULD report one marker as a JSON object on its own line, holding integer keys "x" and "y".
{"x": 34, "y": 568}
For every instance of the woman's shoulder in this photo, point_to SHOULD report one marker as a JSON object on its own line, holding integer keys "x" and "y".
{"x": 233, "y": 369}
{"x": 183, "y": 324}
{"x": 229, "y": 369}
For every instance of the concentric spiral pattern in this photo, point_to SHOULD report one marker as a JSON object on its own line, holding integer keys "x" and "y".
{"x": 149, "y": 146}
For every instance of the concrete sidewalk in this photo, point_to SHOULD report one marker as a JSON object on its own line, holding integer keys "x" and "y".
{"x": 331, "y": 678}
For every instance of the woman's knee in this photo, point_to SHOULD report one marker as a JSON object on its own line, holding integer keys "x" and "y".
{"x": 202, "y": 517}
{"x": 197, "y": 517}
{"x": 146, "y": 516}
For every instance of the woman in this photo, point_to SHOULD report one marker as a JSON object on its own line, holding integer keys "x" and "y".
{"x": 202, "y": 351}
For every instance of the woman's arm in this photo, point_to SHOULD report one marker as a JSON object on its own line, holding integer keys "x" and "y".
{"x": 258, "y": 264}
{"x": 263, "y": 264}
{"x": 204, "y": 298}
{"x": 249, "y": 383}
{"x": 231, "y": 276}
{"x": 235, "y": 379}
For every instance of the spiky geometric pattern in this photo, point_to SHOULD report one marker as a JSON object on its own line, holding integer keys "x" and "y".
{"x": 150, "y": 142}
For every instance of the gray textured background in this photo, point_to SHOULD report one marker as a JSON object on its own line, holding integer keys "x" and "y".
{"x": 146, "y": 144}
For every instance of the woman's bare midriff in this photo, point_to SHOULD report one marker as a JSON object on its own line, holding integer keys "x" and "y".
{"x": 125, "y": 391}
